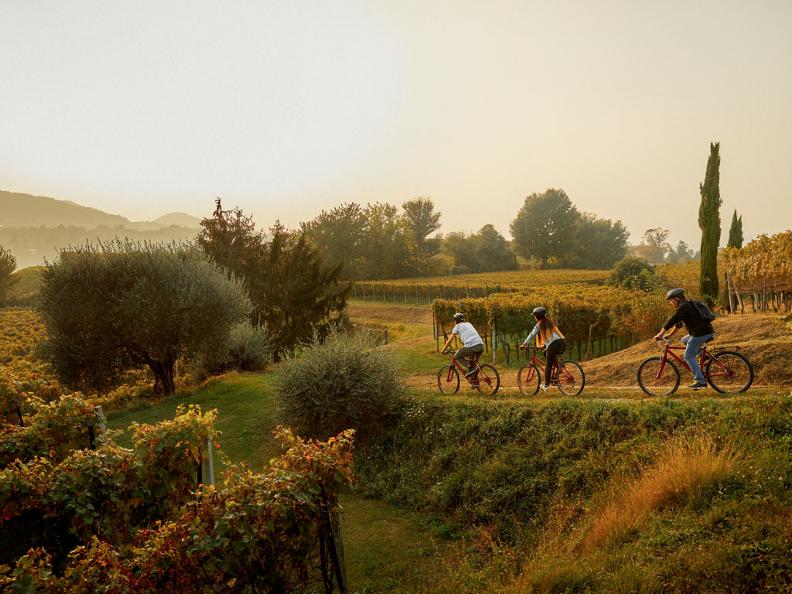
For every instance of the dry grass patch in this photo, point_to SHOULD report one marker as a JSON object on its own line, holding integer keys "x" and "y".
{"x": 684, "y": 473}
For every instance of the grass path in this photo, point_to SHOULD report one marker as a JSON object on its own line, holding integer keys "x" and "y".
{"x": 387, "y": 549}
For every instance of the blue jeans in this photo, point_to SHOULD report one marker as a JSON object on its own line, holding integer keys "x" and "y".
{"x": 692, "y": 347}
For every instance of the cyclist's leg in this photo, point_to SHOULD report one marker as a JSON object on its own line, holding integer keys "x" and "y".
{"x": 693, "y": 345}
{"x": 463, "y": 354}
{"x": 554, "y": 349}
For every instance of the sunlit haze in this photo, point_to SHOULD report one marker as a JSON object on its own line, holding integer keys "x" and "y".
{"x": 286, "y": 108}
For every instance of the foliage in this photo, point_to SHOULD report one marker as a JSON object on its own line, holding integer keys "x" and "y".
{"x": 709, "y": 223}
{"x": 340, "y": 383}
{"x": 765, "y": 262}
{"x": 70, "y": 493}
{"x": 421, "y": 220}
{"x": 7, "y": 277}
{"x": 377, "y": 241}
{"x": 484, "y": 251}
{"x": 545, "y": 225}
{"x": 598, "y": 243}
{"x": 248, "y": 347}
{"x": 424, "y": 290}
{"x": 257, "y": 533}
{"x": 55, "y": 430}
{"x": 735, "y": 232}
{"x": 579, "y": 310}
{"x": 339, "y": 233}
{"x": 634, "y": 273}
{"x": 138, "y": 305}
{"x": 292, "y": 289}
{"x": 680, "y": 254}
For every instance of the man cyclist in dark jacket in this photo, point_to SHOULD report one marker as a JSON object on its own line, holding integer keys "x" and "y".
{"x": 699, "y": 330}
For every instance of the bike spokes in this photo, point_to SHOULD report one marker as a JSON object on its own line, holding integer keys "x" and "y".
{"x": 658, "y": 377}
{"x": 729, "y": 373}
{"x": 488, "y": 379}
{"x": 571, "y": 379}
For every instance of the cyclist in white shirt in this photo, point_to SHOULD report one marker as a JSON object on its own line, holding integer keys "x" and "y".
{"x": 471, "y": 342}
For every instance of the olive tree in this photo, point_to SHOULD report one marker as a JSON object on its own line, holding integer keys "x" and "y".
{"x": 123, "y": 305}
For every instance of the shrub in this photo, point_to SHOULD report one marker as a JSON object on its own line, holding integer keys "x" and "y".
{"x": 248, "y": 347}
{"x": 340, "y": 383}
{"x": 635, "y": 273}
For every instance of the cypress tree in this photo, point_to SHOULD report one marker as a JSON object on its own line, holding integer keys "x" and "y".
{"x": 709, "y": 223}
{"x": 735, "y": 231}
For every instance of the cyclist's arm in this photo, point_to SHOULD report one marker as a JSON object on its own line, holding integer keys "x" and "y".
{"x": 448, "y": 342}
{"x": 532, "y": 335}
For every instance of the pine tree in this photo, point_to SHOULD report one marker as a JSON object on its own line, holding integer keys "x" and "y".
{"x": 709, "y": 223}
{"x": 736, "y": 231}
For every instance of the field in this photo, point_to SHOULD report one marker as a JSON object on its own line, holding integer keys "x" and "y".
{"x": 426, "y": 289}
{"x": 513, "y": 494}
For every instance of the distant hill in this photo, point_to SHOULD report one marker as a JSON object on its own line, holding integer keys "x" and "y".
{"x": 33, "y": 228}
{"x": 26, "y": 210}
{"x": 178, "y": 219}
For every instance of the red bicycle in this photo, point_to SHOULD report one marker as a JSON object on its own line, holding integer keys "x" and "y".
{"x": 728, "y": 371}
{"x": 567, "y": 375}
{"x": 485, "y": 379}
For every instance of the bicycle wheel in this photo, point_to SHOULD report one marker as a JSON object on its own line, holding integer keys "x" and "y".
{"x": 729, "y": 372}
{"x": 657, "y": 381}
{"x": 488, "y": 380}
{"x": 448, "y": 379}
{"x": 528, "y": 379}
{"x": 571, "y": 379}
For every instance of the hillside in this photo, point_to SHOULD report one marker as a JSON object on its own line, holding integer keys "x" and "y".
{"x": 26, "y": 210}
{"x": 33, "y": 228}
{"x": 764, "y": 338}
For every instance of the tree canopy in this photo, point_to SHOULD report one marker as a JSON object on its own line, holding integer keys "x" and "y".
{"x": 294, "y": 291}
{"x": 123, "y": 305}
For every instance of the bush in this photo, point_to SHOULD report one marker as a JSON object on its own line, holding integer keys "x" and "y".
{"x": 248, "y": 347}
{"x": 635, "y": 273}
{"x": 340, "y": 383}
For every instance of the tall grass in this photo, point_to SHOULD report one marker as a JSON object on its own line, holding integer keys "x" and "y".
{"x": 685, "y": 473}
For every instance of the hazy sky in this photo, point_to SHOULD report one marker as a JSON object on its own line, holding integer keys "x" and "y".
{"x": 285, "y": 108}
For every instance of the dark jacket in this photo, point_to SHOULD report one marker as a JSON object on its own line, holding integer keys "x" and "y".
{"x": 688, "y": 315}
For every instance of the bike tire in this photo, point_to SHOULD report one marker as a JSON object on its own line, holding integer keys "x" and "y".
{"x": 731, "y": 360}
{"x": 670, "y": 378}
{"x": 488, "y": 380}
{"x": 571, "y": 379}
{"x": 528, "y": 379}
{"x": 448, "y": 379}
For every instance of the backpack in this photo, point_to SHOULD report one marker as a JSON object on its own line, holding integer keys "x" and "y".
{"x": 704, "y": 312}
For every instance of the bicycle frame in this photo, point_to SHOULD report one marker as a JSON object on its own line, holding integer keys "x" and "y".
{"x": 461, "y": 368}
{"x": 704, "y": 356}
{"x": 540, "y": 364}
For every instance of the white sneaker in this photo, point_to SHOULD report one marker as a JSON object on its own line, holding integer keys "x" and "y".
{"x": 544, "y": 387}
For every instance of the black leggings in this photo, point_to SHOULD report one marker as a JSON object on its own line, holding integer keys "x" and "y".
{"x": 554, "y": 349}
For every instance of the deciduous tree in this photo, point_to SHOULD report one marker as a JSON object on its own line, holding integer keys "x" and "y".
{"x": 545, "y": 225}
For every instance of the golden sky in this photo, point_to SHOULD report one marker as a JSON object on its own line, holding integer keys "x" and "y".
{"x": 285, "y": 108}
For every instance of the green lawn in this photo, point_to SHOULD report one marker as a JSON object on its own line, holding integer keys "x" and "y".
{"x": 387, "y": 549}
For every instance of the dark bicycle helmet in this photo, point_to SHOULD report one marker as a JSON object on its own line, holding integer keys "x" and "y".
{"x": 678, "y": 293}
{"x": 458, "y": 317}
{"x": 540, "y": 312}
